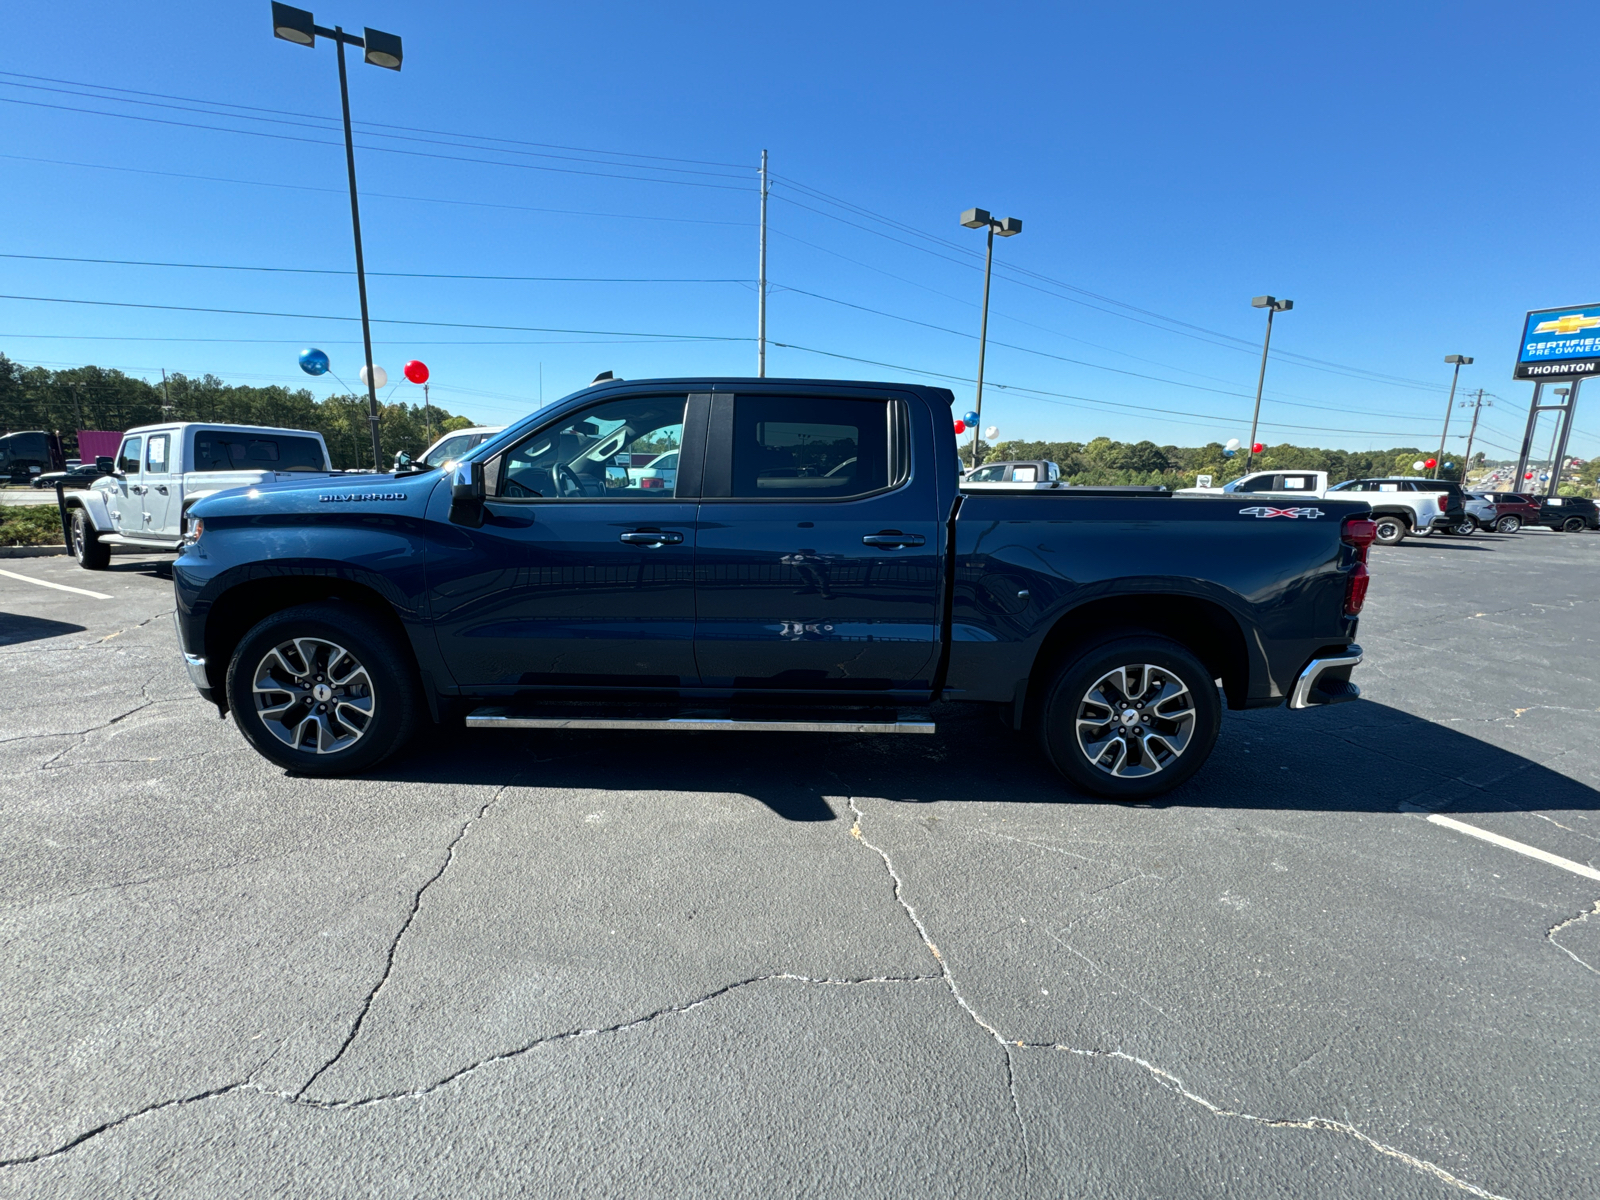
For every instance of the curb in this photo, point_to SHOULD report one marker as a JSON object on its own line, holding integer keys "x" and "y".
{"x": 30, "y": 551}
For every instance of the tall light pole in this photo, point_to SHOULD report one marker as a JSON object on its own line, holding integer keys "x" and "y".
{"x": 1460, "y": 360}
{"x": 381, "y": 50}
{"x": 977, "y": 218}
{"x": 1273, "y": 306}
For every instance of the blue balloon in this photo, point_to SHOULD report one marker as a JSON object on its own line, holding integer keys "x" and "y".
{"x": 971, "y": 419}
{"x": 1229, "y": 453}
{"x": 313, "y": 362}
{"x": 1449, "y": 466}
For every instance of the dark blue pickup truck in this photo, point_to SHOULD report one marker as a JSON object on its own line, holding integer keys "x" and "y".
{"x": 759, "y": 554}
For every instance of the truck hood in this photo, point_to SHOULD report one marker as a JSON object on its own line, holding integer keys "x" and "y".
{"x": 318, "y": 493}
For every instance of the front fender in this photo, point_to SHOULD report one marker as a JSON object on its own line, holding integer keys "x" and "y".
{"x": 93, "y": 503}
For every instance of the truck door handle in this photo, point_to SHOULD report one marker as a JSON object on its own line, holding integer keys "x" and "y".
{"x": 893, "y": 540}
{"x": 138, "y": 489}
{"x": 651, "y": 537}
{"x": 162, "y": 488}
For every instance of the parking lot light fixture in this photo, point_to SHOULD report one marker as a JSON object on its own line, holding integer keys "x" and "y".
{"x": 1459, "y": 361}
{"x": 1273, "y": 305}
{"x": 381, "y": 50}
{"x": 978, "y": 218}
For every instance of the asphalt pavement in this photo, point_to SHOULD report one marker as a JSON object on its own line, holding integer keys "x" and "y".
{"x": 589, "y": 964}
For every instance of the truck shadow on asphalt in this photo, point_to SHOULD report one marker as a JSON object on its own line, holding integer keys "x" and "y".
{"x": 16, "y": 628}
{"x": 1361, "y": 757}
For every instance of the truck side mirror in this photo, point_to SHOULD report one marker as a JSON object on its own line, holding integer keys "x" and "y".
{"x": 467, "y": 491}
{"x": 105, "y": 464}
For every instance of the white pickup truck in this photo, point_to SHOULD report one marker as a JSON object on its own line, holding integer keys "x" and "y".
{"x": 1400, "y": 505}
{"x": 160, "y": 470}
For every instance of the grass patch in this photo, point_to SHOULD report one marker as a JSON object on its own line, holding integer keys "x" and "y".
{"x": 30, "y": 525}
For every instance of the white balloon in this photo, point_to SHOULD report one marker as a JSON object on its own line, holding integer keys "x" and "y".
{"x": 1418, "y": 465}
{"x": 1233, "y": 444}
{"x": 380, "y": 377}
{"x": 992, "y": 432}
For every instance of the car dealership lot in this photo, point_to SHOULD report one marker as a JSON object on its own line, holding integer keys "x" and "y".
{"x": 590, "y": 964}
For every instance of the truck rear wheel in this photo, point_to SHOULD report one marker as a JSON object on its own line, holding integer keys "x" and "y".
{"x": 91, "y": 553}
{"x": 1572, "y": 525}
{"x": 1391, "y": 530}
{"x": 1131, "y": 717}
{"x": 1508, "y": 524}
{"x": 323, "y": 689}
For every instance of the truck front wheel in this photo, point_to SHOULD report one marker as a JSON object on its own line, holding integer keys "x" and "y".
{"x": 91, "y": 553}
{"x": 1131, "y": 717}
{"x": 323, "y": 689}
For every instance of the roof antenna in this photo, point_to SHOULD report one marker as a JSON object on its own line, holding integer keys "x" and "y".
{"x": 603, "y": 377}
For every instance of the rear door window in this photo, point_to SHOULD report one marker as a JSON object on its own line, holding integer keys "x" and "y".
{"x": 809, "y": 447}
{"x": 1025, "y": 474}
{"x": 155, "y": 454}
{"x": 1298, "y": 483}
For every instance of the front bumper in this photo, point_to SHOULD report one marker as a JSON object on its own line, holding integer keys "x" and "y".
{"x": 1326, "y": 680}
{"x": 195, "y": 664}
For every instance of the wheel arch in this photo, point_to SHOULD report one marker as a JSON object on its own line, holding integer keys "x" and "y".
{"x": 1205, "y": 628}
{"x": 235, "y": 610}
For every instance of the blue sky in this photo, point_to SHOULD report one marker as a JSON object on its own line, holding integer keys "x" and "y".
{"x": 1392, "y": 168}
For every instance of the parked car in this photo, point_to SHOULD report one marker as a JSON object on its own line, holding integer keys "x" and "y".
{"x": 161, "y": 471}
{"x": 816, "y": 566}
{"x": 1402, "y": 506}
{"x": 80, "y": 476}
{"x": 1038, "y": 474}
{"x": 1513, "y": 510}
{"x": 1269, "y": 483}
{"x": 1569, "y": 514}
{"x": 660, "y": 472}
{"x": 452, "y": 446}
{"x": 29, "y": 452}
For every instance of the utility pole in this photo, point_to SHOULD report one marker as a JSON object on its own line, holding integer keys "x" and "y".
{"x": 166, "y": 396}
{"x": 427, "y": 412}
{"x": 1475, "y": 405}
{"x": 1460, "y": 361}
{"x": 761, "y": 281}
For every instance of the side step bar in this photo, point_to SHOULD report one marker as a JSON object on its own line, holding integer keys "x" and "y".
{"x": 710, "y": 721}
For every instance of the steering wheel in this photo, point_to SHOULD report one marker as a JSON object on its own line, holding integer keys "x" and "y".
{"x": 566, "y": 480}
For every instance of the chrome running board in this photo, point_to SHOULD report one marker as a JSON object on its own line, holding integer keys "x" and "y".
{"x": 703, "y": 721}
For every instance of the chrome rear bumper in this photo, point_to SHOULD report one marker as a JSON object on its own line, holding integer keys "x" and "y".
{"x": 1337, "y": 690}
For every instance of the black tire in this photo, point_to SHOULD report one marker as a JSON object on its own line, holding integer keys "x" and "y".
{"x": 1139, "y": 756}
{"x": 1572, "y": 525}
{"x": 1465, "y": 527}
{"x": 87, "y": 548}
{"x": 1391, "y": 530}
{"x": 1508, "y": 524}
{"x": 371, "y": 707}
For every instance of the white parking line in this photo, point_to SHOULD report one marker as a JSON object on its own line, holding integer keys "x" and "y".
{"x": 60, "y": 587}
{"x": 1555, "y": 860}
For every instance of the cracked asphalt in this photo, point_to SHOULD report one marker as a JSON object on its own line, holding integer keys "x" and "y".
{"x": 584, "y": 964}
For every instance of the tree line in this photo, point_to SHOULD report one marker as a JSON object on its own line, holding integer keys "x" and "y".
{"x": 91, "y": 397}
{"x": 1103, "y": 462}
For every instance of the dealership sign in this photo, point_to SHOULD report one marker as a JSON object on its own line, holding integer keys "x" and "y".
{"x": 1560, "y": 343}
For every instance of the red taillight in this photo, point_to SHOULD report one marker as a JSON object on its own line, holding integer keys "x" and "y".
{"x": 1360, "y": 533}
{"x": 1355, "y": 592}
{"x": 651, "y": 481}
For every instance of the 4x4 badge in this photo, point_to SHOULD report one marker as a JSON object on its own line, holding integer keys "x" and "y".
{"x": 1261, "y": 510}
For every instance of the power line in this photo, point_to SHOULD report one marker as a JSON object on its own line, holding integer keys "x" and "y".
{"x": 300, "y": 187}
{"x": 286, "y": 137}
{"x": 243, "y": 312}
{"x": 329, "y": 125}
{"x": 127, "y": 262}
{"x": 373, "y": 124}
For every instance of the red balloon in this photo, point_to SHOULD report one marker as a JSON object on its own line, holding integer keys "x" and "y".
{"x": 1529, "y": 475}
{"x": 961, "y": 426}
{"x": 416, "y": 371}
{"x": 1257, "y": 448}
{"x": 1431, "y": 463}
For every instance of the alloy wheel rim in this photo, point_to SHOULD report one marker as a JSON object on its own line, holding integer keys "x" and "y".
{"x": 313, "y": 695}
{"x": 1135, "y": 721}
{"x": 77, "y": 536}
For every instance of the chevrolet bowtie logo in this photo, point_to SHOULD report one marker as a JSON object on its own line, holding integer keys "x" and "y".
{"x": 1571, "y": 323}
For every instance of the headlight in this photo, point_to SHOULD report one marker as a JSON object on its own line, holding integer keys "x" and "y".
{"x": 192, "y": 531}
